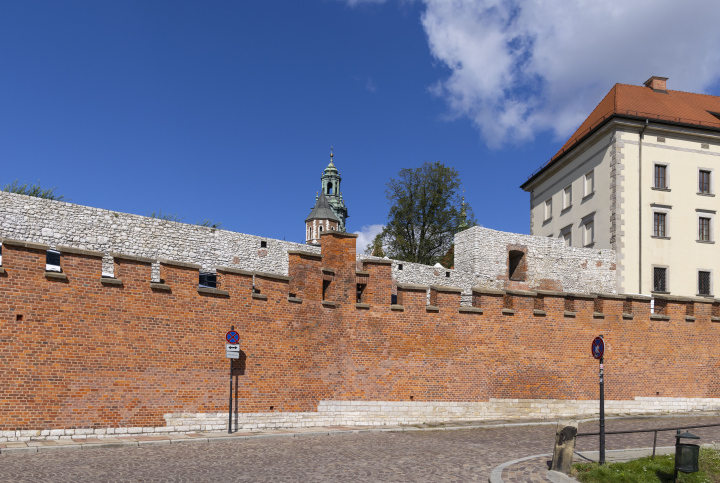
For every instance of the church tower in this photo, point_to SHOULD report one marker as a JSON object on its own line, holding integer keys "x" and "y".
{"x": 330, "y": 211}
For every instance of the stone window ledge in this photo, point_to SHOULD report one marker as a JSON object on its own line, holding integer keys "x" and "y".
{"x": 56, "y": 276}
{"x": 470, "y": 310}
{"x": 568, "y": 313}
{"x": 658, "y": 237}
{"x": 294, "y": 300}
{"x": 709, "y": 242}
{"x": 627, "y": 316}
{"x": 706, "y": 194}
{"x": 160, "y": 286}
{"x": 689, "y": 318}
{"x": 660, "y": 189}
{"x": 327, "y": 303}
{"x": 598, "y": 315}
{"x": 111, "y": 281}
{"x": 259, "y": 296}
{"x": 432, "y": 308}
{"x": 538, "y": 312}
{"x": 362, "y": 306}
{"x": 714, "y": 319}
{"x": 213, "y": 291}
{"x": 659, "y": 317}
{"x": 508, "y": 312}
{"x": 399, "y": 308}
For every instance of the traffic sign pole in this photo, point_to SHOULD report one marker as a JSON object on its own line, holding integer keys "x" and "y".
{"x": 598, "y": 352}
{"x": 228, "y": 337}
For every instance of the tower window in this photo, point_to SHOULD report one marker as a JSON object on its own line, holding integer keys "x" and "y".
{"x": 330, "y": 188}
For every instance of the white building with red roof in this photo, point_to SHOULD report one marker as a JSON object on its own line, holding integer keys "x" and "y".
{"x": 638, "y": 177}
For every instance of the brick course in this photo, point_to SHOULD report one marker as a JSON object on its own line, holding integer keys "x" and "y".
{"x": 83, "y": 355}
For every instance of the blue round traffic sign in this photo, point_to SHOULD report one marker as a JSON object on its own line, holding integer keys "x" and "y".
{"x": 232, "y": 337}
{"x": 598, "y": 347}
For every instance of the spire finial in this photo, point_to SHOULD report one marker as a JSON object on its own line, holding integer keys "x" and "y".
{"x": 331, "y": 154}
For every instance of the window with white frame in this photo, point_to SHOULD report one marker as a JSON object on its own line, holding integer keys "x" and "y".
{"x": 548, "y": 209}
{"x": 660, "y": 176}
{"x": 704, "y": 228}
{"x": 589, "y": 233}
{"x": 589, "y": 183}
{"x": 52, "y": 261}
{"x": 660, "y": 224}
{"x": 704, "y": 282}
{"x": 567, "y": 197}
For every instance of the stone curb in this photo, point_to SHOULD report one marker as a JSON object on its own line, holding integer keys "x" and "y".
{"x": 496, "y": 473}
{"x": 299, "y": 432}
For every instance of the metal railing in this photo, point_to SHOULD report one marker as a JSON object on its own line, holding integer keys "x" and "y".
{"x": 655, "y": 430}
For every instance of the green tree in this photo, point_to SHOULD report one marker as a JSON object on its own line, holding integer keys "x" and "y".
{"x": 34, "y": 190}
{"x": 426, "y": 210}
{"x": 375, "y": 248}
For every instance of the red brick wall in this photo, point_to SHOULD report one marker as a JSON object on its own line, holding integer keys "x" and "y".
{"x": 90, "y": 355}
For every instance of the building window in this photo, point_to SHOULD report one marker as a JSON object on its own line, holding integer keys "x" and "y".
{"x": 589, "y": 233}
{"x": 660, "y": 279}
{"x": 660, "y": 224}
{"x": 589, "y": 184}
{"x": 704, "y": 282}
{"x": 208, "y": 280}
{"x": 660, "y": 176}
{"x": 263, "y": 244}
{"x": 567, "y": 197}
{"x": 52, "y": 261}
{"x": 517, "y": 267}
{"x": 548, "y": 209}
{"x": 400, "y": 266}
{"x": 567, "y": 238}
{"x": 704, "y": 229}
{"x": 704, "y": 182}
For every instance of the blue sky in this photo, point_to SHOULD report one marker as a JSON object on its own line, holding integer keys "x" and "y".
{"x": 227, "y": 110}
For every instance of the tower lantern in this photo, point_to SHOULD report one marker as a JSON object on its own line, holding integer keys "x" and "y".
{"x": 329, "y": 212}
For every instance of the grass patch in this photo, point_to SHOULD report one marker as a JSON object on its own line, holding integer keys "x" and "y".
{"x": 645, "y": 470}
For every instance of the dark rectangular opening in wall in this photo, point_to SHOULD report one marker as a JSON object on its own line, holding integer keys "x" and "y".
{"x": 360, "y": 291}
{"x": 326, "y": 286}
{"x": 516, "y": 265}
{"x": 263, "y": 244}
{"x": 52, "y": 261}
{"x": 447, "y": 274}
{"x": 393, "y": 299}
{"x": 208, "y": 280}
{"x": 399, "y": 266}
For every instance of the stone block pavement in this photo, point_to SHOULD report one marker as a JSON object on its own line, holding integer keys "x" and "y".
{"x": 458, "y": 452}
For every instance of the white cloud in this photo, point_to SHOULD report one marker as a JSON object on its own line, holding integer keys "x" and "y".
{"x": 370, "y": 86}
{"x": 366, "y": 235}
{"x": 520, "y": 67}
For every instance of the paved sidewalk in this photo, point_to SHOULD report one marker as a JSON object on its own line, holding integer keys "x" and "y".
{"x": 452, "y": 452}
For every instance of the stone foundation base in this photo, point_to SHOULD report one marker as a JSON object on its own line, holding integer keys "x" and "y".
{"x": 379, "y": 413}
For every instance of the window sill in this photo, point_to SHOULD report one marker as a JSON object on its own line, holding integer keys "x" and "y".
{"x": 659, "y": 317}
{"x": 470, "y": 310}
{"x": 294, "y": 300}
{"x": 587, "y": 197}
{"x": 362, "y": 306}
{"x": 540, "y": 313}
{"x": 213, "y": 291}
{"x": 627, "y": 316}
{"x": 398, "y": 308}
{"x": 432, "y": 308}
{"x": 259, "y": 296}
{"x": 565, "y": 210}
{"x": 706, "y": 194}
{"x": 547, "y": 220}
{"x": 56, "y": 276}
{"x": 160, "y": 286}
{"x": 709, "y": 242}
{"x": 705, "y": 295}
{"x": 689, "y": 318}
{"x": 568, "y": 313}
{"x": 589, "y": 245}
{"x": 111, "y": 281}
{"x": 327, "y": 303}
{"x": 659, "y": 292}
{"x": 508, "y": 312}
{"x": 598, "y": 315}
{"x": 660, "y": 237}
{"x": 714, "y": 319}
{"x": 660, "y": 189}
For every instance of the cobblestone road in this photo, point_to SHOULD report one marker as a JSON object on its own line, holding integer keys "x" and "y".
{"x": 460, "y": 455}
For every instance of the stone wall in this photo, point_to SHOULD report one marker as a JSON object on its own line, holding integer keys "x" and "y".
{"x": 550, "y": 265}
{"x": 90, "y": 355}
{"x": 480, "y": 253}
{"x": 57, "y": 223}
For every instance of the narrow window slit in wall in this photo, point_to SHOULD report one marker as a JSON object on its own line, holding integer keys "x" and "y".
{"x": 569, "y": 304}
{"x": 208, "y": 280}
{"x": 598, "y": 305}
{"x": 516, "y": 265}
{"x": 52, "y": 261}
{"x": 19, "y": 317}
{"x": 360, "y": 290}
{"x": 263, "y": 244}
{"x": 325, "y": 287}
{"x": 400, "y": 266}
{"x": 447, "y": 274}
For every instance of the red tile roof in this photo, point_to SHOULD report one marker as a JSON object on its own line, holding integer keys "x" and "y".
{"x": 645, "y": 103}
